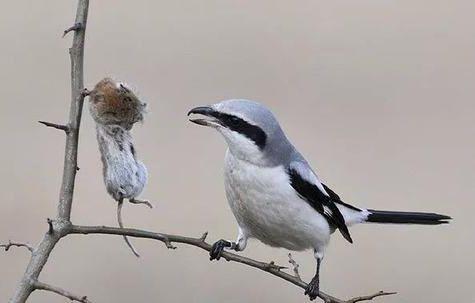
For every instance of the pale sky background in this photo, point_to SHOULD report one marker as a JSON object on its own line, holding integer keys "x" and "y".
{"x": 377, "y": 94}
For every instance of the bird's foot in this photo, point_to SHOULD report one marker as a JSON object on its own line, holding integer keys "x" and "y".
{"x": 313, "y": 289}
{"x": 217, "y": 249}
{"x": 136, "y": 201}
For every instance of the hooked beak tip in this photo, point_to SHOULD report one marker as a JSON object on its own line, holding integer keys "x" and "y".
{"x": 202, "y": 110}
{"x": 206, "y": 111}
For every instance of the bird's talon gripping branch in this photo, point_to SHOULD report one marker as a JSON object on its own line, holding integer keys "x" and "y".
{"x": 313, "y": 289}
{"x": 217, "y": 249}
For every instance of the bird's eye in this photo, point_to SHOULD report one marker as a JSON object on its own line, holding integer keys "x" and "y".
{"x": 234, "y": 120}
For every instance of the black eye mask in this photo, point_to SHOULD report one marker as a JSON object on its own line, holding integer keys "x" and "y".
{"x": 253, "y": 132}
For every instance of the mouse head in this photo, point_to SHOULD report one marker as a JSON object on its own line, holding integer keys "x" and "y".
{"x": 114, "y": 103}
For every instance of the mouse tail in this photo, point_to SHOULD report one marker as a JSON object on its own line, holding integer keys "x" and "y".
{"x": 121, "y": 225}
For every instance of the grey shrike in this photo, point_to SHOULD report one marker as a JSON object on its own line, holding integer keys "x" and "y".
{"x": 273, "y": 192}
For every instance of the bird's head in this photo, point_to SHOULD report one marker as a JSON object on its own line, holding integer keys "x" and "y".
{"x": 249, "y": 128}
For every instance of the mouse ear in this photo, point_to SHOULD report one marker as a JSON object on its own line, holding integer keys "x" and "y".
{"x": 123, "y": 87}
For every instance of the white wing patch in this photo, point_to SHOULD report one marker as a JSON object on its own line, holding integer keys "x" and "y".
{"x": 308, "y": 175}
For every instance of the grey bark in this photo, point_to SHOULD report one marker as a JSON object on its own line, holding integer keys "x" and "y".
{"x": 40, "y": 255}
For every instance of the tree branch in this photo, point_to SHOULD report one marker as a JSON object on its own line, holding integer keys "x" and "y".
{"x": 371, "y": 297}
{"x": 43, "y": 286}
{"x": 57, "y": 227}
{"x": 76, "y": 53}
{"x": 62, "y": 127}
{"x": 269, "y": 267}
{"x": 17, "y": 244}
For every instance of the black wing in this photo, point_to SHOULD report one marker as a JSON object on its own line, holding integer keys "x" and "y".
{"x": 322, "y": 203}
{"x": 335, "y": 198}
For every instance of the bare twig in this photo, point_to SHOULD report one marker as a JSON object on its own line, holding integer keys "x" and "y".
{"x": 17, "y": 244}
{"x": 203, "y": 237}
{"x": 370, "y": 297}
{"x": 75, "y": 27}
{"x": 295, "y": 267}
{"x": 46, "y": 287}
{"x": 62, "y": 127}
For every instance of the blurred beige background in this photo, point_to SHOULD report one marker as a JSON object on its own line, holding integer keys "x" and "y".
{"x": 377, "y": 94}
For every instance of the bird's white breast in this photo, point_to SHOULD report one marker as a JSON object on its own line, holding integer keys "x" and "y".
{"x": 269, "y": 209}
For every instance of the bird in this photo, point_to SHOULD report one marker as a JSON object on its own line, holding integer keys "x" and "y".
{"x": 273, "y": 192}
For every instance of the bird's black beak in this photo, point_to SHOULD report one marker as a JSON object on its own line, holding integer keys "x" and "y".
{"x": 209, "y": 114}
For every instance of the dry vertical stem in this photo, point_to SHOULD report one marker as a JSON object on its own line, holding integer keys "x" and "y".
{"x": 58, "y": 226}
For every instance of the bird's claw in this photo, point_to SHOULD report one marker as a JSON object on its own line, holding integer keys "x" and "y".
{"x": 217, "y": 249}
{"x": 136, "y": 201}
{"x": 313, "y": 289}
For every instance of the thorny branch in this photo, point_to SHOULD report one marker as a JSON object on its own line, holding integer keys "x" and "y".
{"x": 17, "y": 244}
{"x": 62, "y": 127}
{"x": 46, "y": 287}
{"x": 56, "y": 227}
{"x": 61, "y": 226}
{"x": 200, "y": 242}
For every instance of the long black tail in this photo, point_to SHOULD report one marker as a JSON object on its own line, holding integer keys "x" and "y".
{"x": 400, "y": 217}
